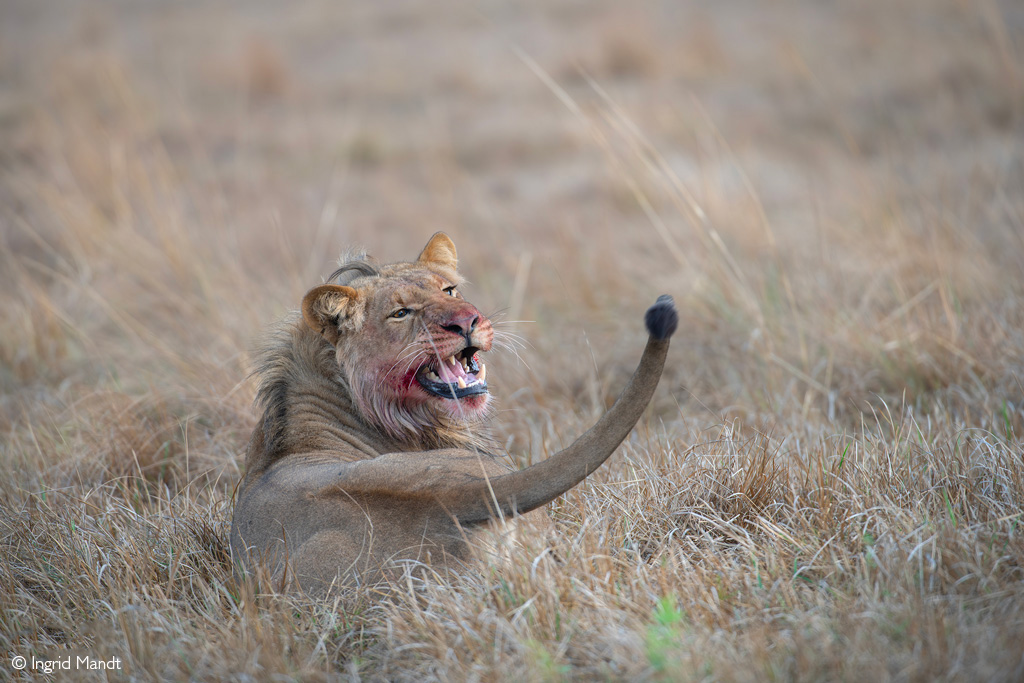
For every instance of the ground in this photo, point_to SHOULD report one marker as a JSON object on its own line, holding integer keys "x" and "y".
{"x": 829, "y": 483}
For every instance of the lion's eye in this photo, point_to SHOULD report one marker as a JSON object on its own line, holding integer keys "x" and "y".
{"x": 450, "y": 291}
{"x": 401, "y": 313}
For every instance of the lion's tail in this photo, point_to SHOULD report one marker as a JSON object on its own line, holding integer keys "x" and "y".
{"x": 527, "y": 489}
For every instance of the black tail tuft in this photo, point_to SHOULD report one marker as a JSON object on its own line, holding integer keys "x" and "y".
{"x": 661, "y": 318}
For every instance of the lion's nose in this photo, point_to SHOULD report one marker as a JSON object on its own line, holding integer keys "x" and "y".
{"x": 462, "y": 325}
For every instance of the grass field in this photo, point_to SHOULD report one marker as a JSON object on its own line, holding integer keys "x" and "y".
{"x": 829, "y": 482}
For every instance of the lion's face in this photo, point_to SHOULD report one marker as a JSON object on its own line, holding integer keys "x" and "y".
{"x": 418, "y": 346}
{"x": 408, "y": 343}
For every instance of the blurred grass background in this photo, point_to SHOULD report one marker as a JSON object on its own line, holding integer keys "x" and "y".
{"x": 829, "y": 484}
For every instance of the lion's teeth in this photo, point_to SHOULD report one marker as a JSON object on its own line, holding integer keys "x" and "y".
{"x": 433, "y": 375}
{"x": 461, "y": 383}
{"x": 451, "y": 360}
{"x": 482, "y": 375}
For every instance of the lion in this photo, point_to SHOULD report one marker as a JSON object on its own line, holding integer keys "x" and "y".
{"x": 366, "y": 454}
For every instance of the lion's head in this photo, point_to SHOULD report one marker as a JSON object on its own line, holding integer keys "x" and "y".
{"x": 406, "y": 341}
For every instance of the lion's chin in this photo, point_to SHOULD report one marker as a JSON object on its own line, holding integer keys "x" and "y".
{"x": 412, "y": 411}
{"x": 459, "y": 403}
{"x": 469, "y": 407}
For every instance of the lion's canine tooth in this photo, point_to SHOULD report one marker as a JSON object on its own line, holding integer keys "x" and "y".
{"x": 451, "y": 360}
{"x": 461, "y": 383}
{"x": 482, "y": 375}
{"x": 433, "y": 375}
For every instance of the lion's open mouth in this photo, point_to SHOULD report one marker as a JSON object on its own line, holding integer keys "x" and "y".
{"x": 457, "y": 376}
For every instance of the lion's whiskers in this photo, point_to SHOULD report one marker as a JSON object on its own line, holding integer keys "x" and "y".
{"x": 409, "y": 350}
{"x": 409, "y": 354}
{"x": 512, "y": 343}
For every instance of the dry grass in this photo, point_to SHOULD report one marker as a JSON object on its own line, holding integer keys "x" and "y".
{"x": 829, "y": 485}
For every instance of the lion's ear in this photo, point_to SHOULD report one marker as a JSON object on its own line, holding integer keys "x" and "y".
{"x": 324, "y": 306}
{"x": 440, "y": 250}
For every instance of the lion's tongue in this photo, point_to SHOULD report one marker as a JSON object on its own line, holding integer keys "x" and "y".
{"x": 450, "y": 373}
